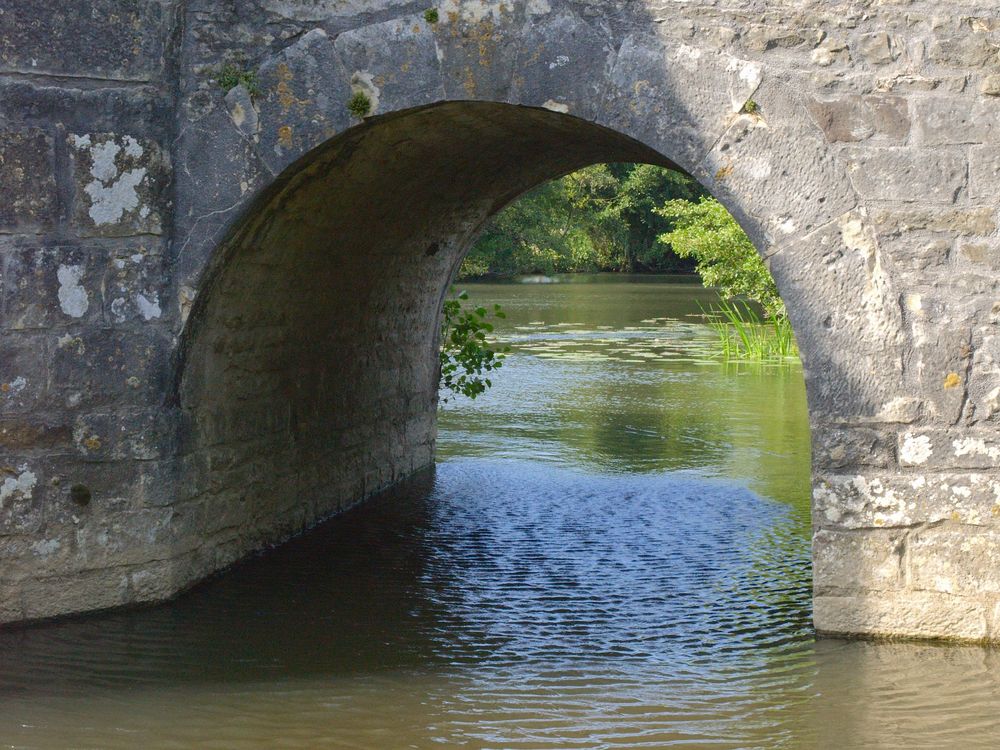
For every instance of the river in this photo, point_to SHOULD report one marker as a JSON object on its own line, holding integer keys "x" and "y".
{"x": 612, "y": 552}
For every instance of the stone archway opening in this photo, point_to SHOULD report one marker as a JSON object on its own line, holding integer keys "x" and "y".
{"x": 308, "y": 371}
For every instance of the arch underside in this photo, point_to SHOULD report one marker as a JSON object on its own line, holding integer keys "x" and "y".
{"x": 309, "y": 369}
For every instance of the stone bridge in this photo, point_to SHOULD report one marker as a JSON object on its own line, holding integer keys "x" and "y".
{"x": 221, "y": 286}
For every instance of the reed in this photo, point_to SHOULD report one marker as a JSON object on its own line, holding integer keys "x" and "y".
{"x": 744, "y": 334}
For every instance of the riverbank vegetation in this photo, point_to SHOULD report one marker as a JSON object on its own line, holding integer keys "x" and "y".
{"x": 601, "y": 218}
{"x": 640, "y": 218}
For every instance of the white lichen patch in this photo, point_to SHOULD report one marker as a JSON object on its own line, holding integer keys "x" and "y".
{"x": 73, "y": 299}
{"x": 538, "y": 7}
{"x": 185, "y": 301}
{"x": 46, "y": 547}
{"x": 119, "y": 308}
{"x": 975, "y": 447}
{"x": 474, "y": 11}
{"x": 916, "y": 449}
{"x": 561, "y": 61}
{"x": 362, "y": 81}
{"x": 20, "y": 485}
{"x": 15, "y": 386}
{"x": 113, "y": 189}
{"x": 132, "y": 147}
{"x": 110, "y": 203}
{"x": 745, "y": 79}
{"x": 149, "y": 307}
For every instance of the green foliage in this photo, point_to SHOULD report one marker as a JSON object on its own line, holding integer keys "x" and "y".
{"x": 745, "y": 335}
{"x": 359, "y": 105}
{"x": 467, "y": 357}
{"x": 726, "y": 257}
{"x": 596, "y": 219}
{"x": 751, "y": 107}
{"x": 431, "y": 15}
{"x": 231, "y": 75}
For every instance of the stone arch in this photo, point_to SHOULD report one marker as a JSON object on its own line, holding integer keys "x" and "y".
{"x": 857, "y": 148}
{"x": 307, "y": 362}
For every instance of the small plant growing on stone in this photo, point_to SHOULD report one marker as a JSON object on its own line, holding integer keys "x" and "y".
{"x": 751, "y": 107}
{"x": 231, "y": 75}
{"x": 359, "y": 105}
{"x": 431, "y": 15}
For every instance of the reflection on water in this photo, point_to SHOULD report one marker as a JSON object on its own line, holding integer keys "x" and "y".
{"x": 613, "y": 552}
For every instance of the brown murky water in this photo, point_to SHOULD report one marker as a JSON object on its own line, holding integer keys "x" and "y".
{"x": 613, "y": 552}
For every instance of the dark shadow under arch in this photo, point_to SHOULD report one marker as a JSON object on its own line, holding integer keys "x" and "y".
{"x": 307, "y": 374}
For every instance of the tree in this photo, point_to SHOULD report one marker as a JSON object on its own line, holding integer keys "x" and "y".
{"x": 726, "y": 258}
{"x": 643, "y": 188}
{"x": 595, "y": 219}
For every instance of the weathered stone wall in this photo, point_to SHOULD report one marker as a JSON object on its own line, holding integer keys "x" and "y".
{"x": 86, "y": 125}
{"x": 219, "y": 309}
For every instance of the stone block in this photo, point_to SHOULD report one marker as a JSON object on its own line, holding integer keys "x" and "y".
{"x": 304, "y": 101}
{"x": 981, "y": 254}
{"x": 326, "y": 11}
{"x": 877, "y": 48}
{"x": 882, "y": 499}
{"x": 905, "y": 220}
{"x": 98, "y": 368}
{"x": 29, "y": 434}
{"x": 27, "y": 180}
{"x": 91, "y": 590}
{"x": 135, "y": 287}
{"x": 52, "y": 287}
{"x": 960, "y": 560}
{"x": 950, "y": 449}
{"x": 855, "y": 561}
{"x": 110, "y": 39}
{"x": 939, "y": 357}
{"x": 990, "y": 85}
{"x": 478, "y": 43}
{"x": 133, "y": 537}
{"x": 24, "y": 373}
{"x": 851, "y": 447}
{"x": 944, "y": 121}
{"x": 907, "y": 175}
{"x": 765, "y": 37}
{"x": 562, "y": 64}
{"x": 964, "y": 50}
{"x": 81, "y": 109}
{"x": 914, "y": 614}
{"x": 843, "y": 119}
{"x": 844, "y": 306}
{"x": 120, "y": 184}
{"x": 890, "y": 116}
{"x": 395, "y": 62}
{"x": 984, "y": 173}
{"x": 853, "y": 118}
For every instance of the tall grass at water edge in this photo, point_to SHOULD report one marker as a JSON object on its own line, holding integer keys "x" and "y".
{"x": 745, "y": 335}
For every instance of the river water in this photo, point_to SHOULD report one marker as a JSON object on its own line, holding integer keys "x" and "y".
{"x": 612, "y": 552}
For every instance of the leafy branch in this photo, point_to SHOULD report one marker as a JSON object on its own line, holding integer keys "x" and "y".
{"x": 467, "y": 356}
